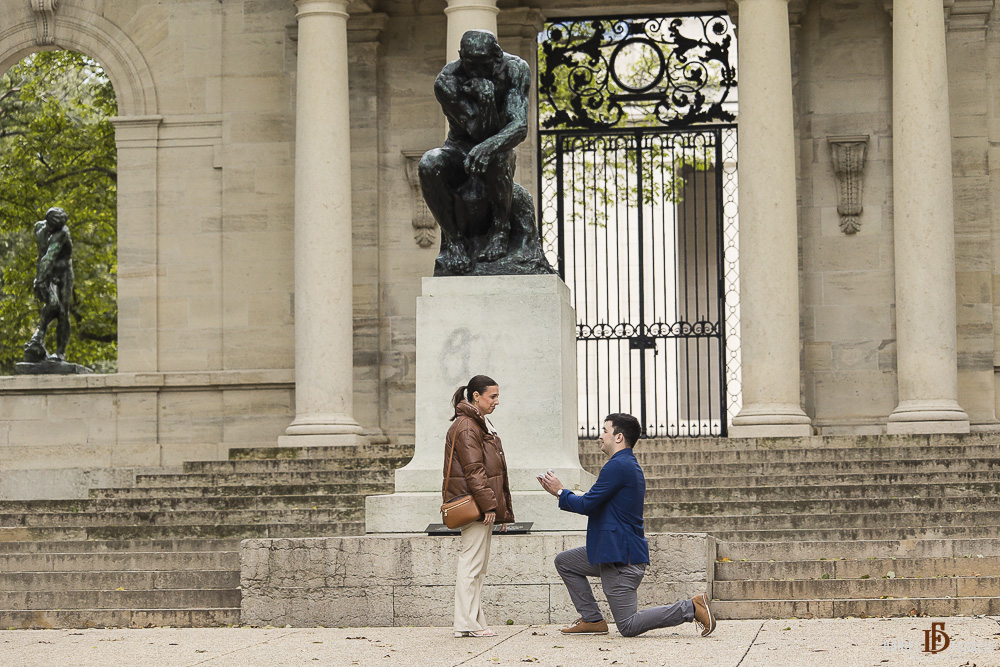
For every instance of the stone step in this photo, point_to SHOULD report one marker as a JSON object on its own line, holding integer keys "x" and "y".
{"x": 828, "y": 589}
{"x": 384, "y": 463}
{"x": 647, "y": 458}
{"x": 811, "y": 442}
{"x": 120, "y": 561}
{"x": 175, "y": 531}
{"x": 853, "y": 568}
{"x": 240, "y": 490}
{"x": 808, "y": 492}
{"x": 369, "y": 450}
{"x": 899, "y": 466}
{"x": 201, "y": 504}
{"x": 123, "y": 547}
{"x": 765, "y": 509}
{"x": 114, "y": 599}
{"x": 130, "y": 580}
{"x": 858, "y": 520}
{"x": 369, "y": 476}
{"x": 178, "y": 517}
{"x": 873, "y": 480}
{"x": 860, "y": 549}
{"x": 862, "y": 607}
{"x": 41, "y": 619}
{"x": 844, "y": 534}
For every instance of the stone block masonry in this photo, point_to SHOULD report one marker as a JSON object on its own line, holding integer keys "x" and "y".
{"x": 401, "y": 580}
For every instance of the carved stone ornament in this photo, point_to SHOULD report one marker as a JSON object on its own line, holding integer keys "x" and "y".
{"x": 45, "y": 18}
{"x": 424, "y": 226}
{"x": 848, "y": 154}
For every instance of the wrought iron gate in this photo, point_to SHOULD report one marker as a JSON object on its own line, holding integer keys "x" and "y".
{"x": 638, "y": 183}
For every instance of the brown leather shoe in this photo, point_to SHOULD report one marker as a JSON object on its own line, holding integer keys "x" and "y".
{"x": 582, "y": 627}
{"x": 703, "y": 615}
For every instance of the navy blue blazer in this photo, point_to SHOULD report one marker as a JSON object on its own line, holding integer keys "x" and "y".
{"x": 614, "y": 510}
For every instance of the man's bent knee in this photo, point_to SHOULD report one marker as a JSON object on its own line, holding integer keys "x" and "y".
{"x": 627, "y": 627}
{"x": 560, "y": 562}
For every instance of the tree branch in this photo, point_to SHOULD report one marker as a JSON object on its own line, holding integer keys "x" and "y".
{"x": 113, "y": 175}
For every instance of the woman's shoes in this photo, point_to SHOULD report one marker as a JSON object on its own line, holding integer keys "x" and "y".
{"x": 485, "y": 632}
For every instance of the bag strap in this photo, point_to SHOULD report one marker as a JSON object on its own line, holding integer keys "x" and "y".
{"x": 447, "y": 472}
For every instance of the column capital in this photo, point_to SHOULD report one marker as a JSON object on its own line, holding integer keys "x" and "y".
{"x": 960, "y": 15}
{"x": 796, "y": 8}
{"x": 307, "y": 8}
{"x": 480, "y": 5}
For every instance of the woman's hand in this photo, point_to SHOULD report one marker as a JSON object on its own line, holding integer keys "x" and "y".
{"x": 489, "y": 518}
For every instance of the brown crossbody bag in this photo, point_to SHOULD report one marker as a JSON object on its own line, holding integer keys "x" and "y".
{"x": 461, "y": 510}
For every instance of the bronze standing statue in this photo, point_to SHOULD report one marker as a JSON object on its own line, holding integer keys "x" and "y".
{"x": 53, "y": 287}
{"x": 487, "y": 221}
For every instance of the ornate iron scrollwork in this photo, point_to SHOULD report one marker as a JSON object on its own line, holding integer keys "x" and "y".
{"x": 662, "y": 71}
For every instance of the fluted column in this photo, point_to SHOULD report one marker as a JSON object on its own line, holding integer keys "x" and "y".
{"x": 323, "y": 248}
{"x": 769, "y": 278}
{"x": 465, "y": 15}
{"x": 923, "y": 225}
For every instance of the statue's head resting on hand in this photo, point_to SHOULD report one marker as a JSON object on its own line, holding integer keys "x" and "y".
{"x": 480, "y": 54}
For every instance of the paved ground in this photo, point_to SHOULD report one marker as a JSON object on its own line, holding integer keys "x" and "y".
{"x": 973, "y": 642}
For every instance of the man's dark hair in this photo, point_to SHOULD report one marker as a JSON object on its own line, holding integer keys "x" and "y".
{"x": 625, "y": 424}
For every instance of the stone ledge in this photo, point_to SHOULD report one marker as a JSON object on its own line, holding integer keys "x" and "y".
{"x": 398, "y": 580}
{"x": 196, "y": 380}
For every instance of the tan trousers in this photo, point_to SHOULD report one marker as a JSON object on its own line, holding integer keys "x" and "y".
{"x": 471, "y": 574}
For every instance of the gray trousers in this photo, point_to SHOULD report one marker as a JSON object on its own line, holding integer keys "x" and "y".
{"x": 620, "y": 583}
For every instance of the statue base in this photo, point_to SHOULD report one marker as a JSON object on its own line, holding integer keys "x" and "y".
{"x": 50, "y": 367}
{"x": 520, "y": 331}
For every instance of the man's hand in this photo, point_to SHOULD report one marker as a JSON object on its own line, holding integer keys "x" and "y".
{"x": 481, "y": 90}
{"x": 478, "y": 159}
{"x": 550, "y": 483}
{"x": 489, "y": 518}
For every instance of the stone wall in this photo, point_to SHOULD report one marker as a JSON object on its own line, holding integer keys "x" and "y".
{"x": 60, "y": 435}
{"x": 397, "y": 580}
{"x": 844, "y": 65}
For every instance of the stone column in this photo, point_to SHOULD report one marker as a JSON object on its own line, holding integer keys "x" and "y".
{"x": 769, "y": 278}
{"x": 324, "y": 349}
{"x": 923, "y": 225}
{"x": 465, "y": 15}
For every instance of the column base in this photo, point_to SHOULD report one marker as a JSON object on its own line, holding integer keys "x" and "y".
{"x": 324, "y": 425}
{"x": 412, "y": 512}
{"x": 918, "y": 417}
{"x": 324, "y": 440}
{"x": 771, "y": 421}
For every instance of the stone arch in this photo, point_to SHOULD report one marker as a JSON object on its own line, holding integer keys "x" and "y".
{"x": 81, "y": 30}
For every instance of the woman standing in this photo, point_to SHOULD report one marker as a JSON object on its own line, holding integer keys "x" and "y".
{"x": 478, "y": 468}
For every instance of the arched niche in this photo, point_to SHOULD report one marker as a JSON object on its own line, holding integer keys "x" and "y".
{"x": 74, "y": 28}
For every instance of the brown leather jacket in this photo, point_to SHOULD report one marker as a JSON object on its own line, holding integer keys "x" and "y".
{"x": 479, "y": 466}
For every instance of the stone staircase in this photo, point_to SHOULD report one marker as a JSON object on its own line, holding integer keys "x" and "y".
{"x": 166, "y": 551}
{"x": 835, "y": 526}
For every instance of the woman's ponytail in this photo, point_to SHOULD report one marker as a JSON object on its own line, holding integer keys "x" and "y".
{"x": 458, "y": 396}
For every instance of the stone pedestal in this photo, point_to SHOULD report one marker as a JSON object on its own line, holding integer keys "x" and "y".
{"x": 401, "y": 580}
{"x": 50, "y": 367}
{"x": 519, "y": 330}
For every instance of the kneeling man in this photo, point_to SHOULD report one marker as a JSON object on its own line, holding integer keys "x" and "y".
{"x": 616, "y": 548}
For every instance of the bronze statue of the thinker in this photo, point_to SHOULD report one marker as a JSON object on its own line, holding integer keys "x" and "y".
{"x": 487, "y": 221}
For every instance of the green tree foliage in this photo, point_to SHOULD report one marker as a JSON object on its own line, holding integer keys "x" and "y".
{"x": 57, "y": 148}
